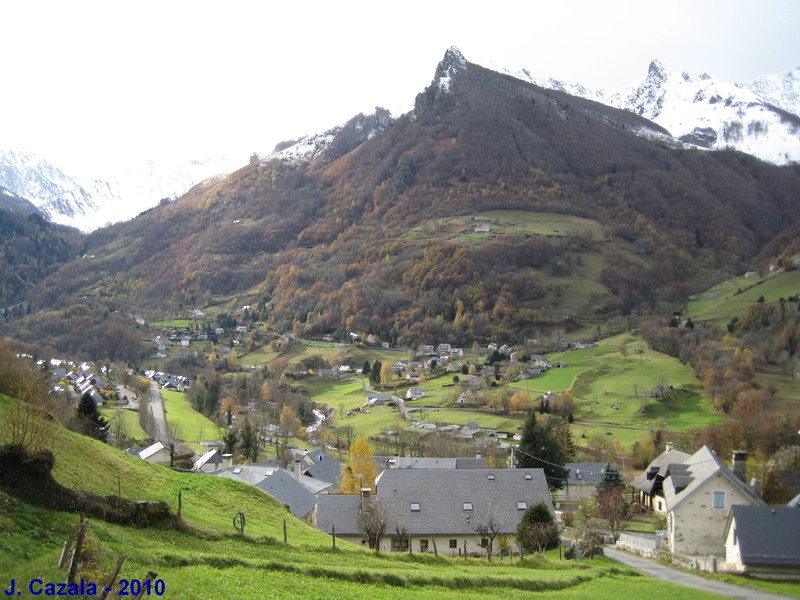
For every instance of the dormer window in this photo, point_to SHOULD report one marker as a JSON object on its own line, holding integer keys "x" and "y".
{"x": 467, "y": 505}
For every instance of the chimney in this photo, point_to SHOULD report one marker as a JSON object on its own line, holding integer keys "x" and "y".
{"x": 670, "y": 446}
{"x": 364, "y": 496}
{"x": 297, "y": 468}
{"x": 740, "y": 464}
{"x": 227, "y": 461}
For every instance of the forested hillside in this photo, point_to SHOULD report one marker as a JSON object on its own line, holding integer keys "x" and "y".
{"x": 360, "y": 241}
{"x": 30, "y": 250}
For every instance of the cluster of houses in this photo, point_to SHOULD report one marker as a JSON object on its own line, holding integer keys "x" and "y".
{"x": 83, "y": 379}
{"x": 169, "y": 381}
{"x": 714, "y": 516}
{"x": 442, "y": 504}
{"x": 176, "y": 343}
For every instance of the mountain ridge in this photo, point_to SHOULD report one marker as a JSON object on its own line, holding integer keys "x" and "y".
{"x": 333, "y": 244}
{"x": 760, "y": 118}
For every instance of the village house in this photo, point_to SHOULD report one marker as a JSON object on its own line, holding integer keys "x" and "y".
{"x": 763, "y": 541}
{"x": 415, "y": 393}
{"x": 698, "y": 493}
{"x": 426, "y": 350}
{"x": 212, "y": 460}
{"x": 582, "y": 481}
{"x": 377, "y": 398}
{"x": 418, "y": 462}
{"x": 439, "y": 509}
{"x": 154, "y": 453}
{"x": 649, "y": 484}
{"x": 278, "y": 483}
{"x": 470, "y": 430}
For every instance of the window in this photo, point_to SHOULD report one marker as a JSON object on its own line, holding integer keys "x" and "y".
{"x": 522, "y": 505}
{"x": 491, "y": 477}
{"x": 467, "y": 505}
{"x": 400, "y": 544}
{"x": 423, "y": 545}
{"x": 528, "y": 476}
{"x": 719, "y": 499}
{"x": 484, "y": 542}
{"x": 415, "y": 507}
{"x": 454, "y": 543}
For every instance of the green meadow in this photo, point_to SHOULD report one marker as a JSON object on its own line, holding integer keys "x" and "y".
{"x": 130, "y": 421}
{"x": 210, "y": 559}
{"x": 194, "y": 427}
{"x": 731, "y": 298}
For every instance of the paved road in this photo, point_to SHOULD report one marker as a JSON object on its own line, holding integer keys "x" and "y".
{"x": 659, "y": 571}
{"x": 157, "y": 410}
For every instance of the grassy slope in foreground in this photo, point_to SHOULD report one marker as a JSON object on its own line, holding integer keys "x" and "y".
{"x": 230, "y": 567}
{"x": 213, "y": 559}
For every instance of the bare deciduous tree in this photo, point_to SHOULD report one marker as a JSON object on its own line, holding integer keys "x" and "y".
{"x": 373, "y": 520}
{"x": 488, "y": 524}
{"x": 612, "y": 508}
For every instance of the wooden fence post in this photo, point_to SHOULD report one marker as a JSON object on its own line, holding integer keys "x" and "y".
{"x": 151, "y": 575}
{"x": 73, "y": 565}
{"x": 284, "y": 531}
{"x": 68, "y": 546}
{"x": 333, "y": 534}
{"x": 180, "y": 504}
{"x": 113, "y": 579}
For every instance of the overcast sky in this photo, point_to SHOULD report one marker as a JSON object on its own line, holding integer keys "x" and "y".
{"x": 88, "y": 82}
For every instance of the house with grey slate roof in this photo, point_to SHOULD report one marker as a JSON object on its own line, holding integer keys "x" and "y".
{"x": 582, "y": 481}
{"x": 699, "y": 494}
{"x": 439, "y": 510}
{"x": 327, "y": 470}
{"x": 277, "y": 483}
{"x": 419, "y": 462}
{"x": 649, "y": 484}
{"x": 763, "y": 541}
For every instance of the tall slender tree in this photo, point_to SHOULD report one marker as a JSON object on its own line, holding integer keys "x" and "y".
{"x": 540, "y": 449}
{"x": 88, "y": 419}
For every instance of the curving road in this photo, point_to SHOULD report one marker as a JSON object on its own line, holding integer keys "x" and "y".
{"x": 659, "y": 571}
{"x": 157, "y": 410}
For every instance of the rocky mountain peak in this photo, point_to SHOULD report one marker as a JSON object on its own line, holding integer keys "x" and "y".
{"x": 656, "y": 73}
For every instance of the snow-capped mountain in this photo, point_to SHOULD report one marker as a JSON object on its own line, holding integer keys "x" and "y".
{"x": 782, "y": 90}
{"x": 334, "y": 142}
{"x": 761, "y": 118}
{"x": 118, "y": 196}
{"x": 60, "y": 197}
{"x": 703, "y": 111}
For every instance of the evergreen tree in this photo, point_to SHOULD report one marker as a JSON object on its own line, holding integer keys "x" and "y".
{"x": 249, "y": 442}
{"x": 88, "y": 420}
{"x": 375, "y": 372}
{"x": 365, "y": 370}
{"x": 537, "y": 530}
{"x": 540, "y": 449}
{"x": 229, "y": 440}
{"x": 611, "y": 478}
